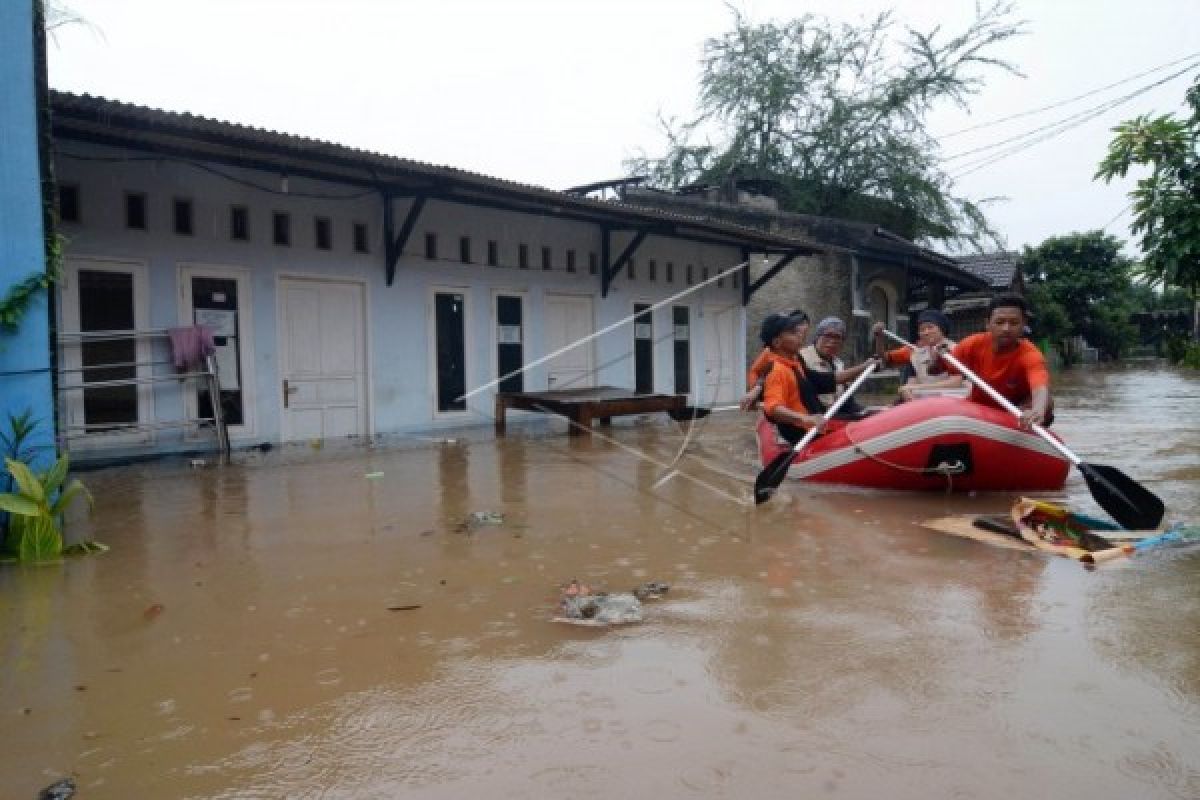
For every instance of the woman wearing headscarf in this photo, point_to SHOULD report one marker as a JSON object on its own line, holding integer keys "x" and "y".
{"x": 926, "y": 369}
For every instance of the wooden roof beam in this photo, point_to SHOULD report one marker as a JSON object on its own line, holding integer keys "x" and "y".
{"x": 394, "y": 246}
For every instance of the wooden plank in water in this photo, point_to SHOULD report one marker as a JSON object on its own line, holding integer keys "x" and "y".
{"x": 964, "y": 527}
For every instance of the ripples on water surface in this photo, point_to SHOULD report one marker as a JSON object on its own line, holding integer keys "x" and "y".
{"x": 237, "y": 643}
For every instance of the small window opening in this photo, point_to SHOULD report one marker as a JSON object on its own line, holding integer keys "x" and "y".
{"x": 68, "y": 203}
{"x": 135, "y": 211}
{"x": 324, "y": 231}
{"x": 182, "y": 213}
{"x": 281, "y": 228}
{"x": 239, "y": 223}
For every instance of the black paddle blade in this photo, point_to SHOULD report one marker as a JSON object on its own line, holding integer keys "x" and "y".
{"x": 772, "y": 475}
{"x": 688, "y": 413}
{"x": 1132, "y": 505}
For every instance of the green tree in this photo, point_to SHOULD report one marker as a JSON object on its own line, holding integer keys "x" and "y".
{"x": 1084, "y": 278}
{"x": 1166, "y": 203}
{"x": 830, "y": 118}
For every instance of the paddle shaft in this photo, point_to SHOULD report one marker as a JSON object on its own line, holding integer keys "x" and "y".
{"x": 999, "y": 398}
{"x": 833, "y": 409}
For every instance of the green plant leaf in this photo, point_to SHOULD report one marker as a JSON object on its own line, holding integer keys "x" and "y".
{"x": 19, "y": 504}
{"x": 42, "y": 541}
{"x": 54, "y": 477}
{"x": 27, "y": 482}
{"x": 73, "y": 490}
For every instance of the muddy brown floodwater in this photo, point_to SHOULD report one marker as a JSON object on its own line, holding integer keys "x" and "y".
{"x": 237, "y": 640}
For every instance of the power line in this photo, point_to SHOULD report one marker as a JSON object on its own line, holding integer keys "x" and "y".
{"x": 1087, "y": 112}
{"x": 1117, "y": 216}
{"x": 1070, "y": 100}
{"x": 1024, "y": 141}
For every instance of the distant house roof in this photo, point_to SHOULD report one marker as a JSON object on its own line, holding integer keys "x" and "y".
{"x": 190, "y": 137}
{"x": 999, "y": 268}
{"x": 864, "y": 238}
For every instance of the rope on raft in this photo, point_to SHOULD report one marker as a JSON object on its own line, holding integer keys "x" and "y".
{"x": 947, "y": 469}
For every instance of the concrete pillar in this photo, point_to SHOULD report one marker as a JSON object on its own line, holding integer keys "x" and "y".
{"x": 25, "y": 380}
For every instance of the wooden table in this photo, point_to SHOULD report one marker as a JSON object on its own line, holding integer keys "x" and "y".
{"x": 581, "y": 406}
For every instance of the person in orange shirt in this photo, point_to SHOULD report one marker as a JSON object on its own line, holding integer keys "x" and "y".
{"x": 757, "y": 374}
{"x": 789, "y": 397}
{"x": 1011, "y": 365}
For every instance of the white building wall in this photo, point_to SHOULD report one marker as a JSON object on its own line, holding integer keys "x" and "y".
{"x": 398, "y": 340}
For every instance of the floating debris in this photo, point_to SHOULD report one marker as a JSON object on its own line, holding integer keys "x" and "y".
{"x": 652, "y": 590}
{"x": 479, "y": 519}
{"x": 580, "y": 606}
{"x": 59, "y": 790}
{"x": 373, "y": 476}
{"x": 403, "y": 608}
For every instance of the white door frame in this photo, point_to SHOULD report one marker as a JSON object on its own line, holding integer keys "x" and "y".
{"x": 654, "y": 359}
{"x": 71, "y": 352}
{"x": 493, "y": 322}
{"x": 692, "y": 317}
{"x": 366, "y": 384}
{"x": 190, "y": 269}
{"x": 591, "y": 345}
{"x": 431, "y": 353}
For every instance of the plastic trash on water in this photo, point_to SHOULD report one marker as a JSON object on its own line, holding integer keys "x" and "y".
{"x": 580, "y": 605}
{"x": 599, "y": 610}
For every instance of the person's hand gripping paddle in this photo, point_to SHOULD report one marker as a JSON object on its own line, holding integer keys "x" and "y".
{"x": 1132, "y": 505}
{"x": 773, "y": 474}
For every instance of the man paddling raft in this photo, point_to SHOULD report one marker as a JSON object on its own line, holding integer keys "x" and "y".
{"x": 789, "y": 393}
{"x": 833, "y": 373}
{"x": 1008, "y": 362}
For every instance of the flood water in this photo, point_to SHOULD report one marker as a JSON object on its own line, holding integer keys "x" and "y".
{"x": 237, "y": 642}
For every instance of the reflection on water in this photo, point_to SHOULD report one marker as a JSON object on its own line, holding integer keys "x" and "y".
{"x": 237, "y": 640}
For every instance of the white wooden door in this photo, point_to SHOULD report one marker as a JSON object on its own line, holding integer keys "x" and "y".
{"x": 721, "y": 371}
{"x": 322, "y": 359}
{"x": 569, "y": 320}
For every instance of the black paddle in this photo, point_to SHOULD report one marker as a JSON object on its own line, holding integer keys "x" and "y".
{"x": 773, "y": 474}
{"x": 1132, "y": 505}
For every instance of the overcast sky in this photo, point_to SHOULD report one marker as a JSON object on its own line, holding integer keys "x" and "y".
{"x": 559, "y": 92}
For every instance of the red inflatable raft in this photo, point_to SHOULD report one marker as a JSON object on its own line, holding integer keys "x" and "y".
{"x": 926, "y": 444}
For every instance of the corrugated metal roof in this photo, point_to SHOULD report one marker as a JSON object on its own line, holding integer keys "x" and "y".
{"x": 997, "y": 268}
{"x": 125, "y": 124}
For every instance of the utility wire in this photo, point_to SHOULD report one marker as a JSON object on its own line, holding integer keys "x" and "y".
{"x": 1069, "y": 100}
{"x": 1042, "y": 133}
{"x": 1087, "y": 112}
{"x": 1116, "y": 216}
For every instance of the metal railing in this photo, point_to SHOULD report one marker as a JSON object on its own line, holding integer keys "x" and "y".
{"x": 207, "y": 377}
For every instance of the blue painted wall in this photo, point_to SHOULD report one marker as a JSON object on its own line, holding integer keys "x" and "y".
{"x": 24, "y": 355}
